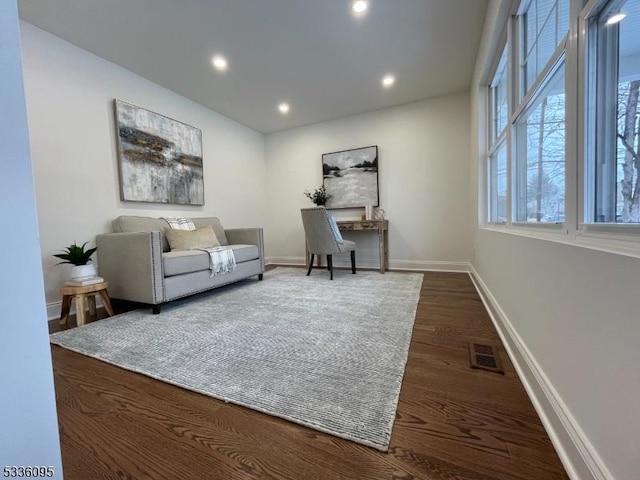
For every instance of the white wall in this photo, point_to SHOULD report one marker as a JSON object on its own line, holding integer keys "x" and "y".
{"x": 28, "y": 421}
{"x": 571, "y": 314}
{"x": 576, "y": 311}
{"x": 70, "y": 96}
{"x": 423, "y": 181}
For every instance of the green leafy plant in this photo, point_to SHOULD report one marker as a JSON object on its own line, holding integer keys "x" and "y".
{"x": 76, "y": 255}
{"x": 319, "y": 196}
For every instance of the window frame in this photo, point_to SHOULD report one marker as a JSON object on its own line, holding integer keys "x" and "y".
{"x": 617, "y": 238}
{"x": 495, "y": 140}
{"x": 492, "y": 184}
{"x": 502, "y": 64}
{"x": 618, "y": 235}
{"x": 524, "y": 101}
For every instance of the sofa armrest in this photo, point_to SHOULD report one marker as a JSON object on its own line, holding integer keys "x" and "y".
{"x": 132, "y": 264}
{"x": 247, "y": 236}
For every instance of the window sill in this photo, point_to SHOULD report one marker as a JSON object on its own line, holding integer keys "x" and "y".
{"x": 623, "y": 239}
{"x": 546, "y": 231}
{"x": 595, "y": 237}
{"x": 619, "y": 231}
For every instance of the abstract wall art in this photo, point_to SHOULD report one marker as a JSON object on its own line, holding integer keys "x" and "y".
{"x": 160, "y": 159}
{"x": 351, "y": 177}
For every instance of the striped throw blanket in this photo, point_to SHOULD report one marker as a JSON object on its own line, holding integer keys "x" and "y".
{"x": 221, "y": 260}
{"x": 179, "y": 223}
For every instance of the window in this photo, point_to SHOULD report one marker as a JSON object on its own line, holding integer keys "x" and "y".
{"x": 539, "y": 134}
{"x": 613, "y": 122}
{"x": 499, "y": 97}
{"x": 498, "y": 185}
{"x": 544, "y": 25}
{"x": 497, "y": 158}
{"x": 563, "y": 125}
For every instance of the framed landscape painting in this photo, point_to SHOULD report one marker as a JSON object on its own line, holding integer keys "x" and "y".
{"x": 160, "y": 159}
{"x": 351, "y": 177}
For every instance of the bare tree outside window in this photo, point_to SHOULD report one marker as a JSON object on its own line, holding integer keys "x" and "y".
{"x": 615, "y": 87}
{"x": 539, "y": 173}
{"x": 628, "y": 210}
{"x": 544, "y": 128}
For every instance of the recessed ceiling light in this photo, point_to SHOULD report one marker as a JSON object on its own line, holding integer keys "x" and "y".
{"x": 618, "y": 17}
{"x": 219, "y": 63}
{"x": 284, "y": 108}
{"x": 359, "y": 6}
{"x": 388, "y": 81}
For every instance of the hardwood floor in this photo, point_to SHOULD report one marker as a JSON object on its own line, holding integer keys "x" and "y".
{"x": 452, "y": 422}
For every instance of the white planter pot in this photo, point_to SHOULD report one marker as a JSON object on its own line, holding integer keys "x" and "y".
{"x": 78, "y": 272}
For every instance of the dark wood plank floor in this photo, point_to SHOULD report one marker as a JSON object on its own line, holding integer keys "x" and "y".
{"x": 452, "y": 422}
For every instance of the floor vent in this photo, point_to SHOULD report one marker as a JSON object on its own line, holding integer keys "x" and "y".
{"x": 485, "y": 357}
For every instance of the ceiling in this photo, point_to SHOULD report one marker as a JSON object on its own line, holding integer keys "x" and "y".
{"x": 313, "y": 54}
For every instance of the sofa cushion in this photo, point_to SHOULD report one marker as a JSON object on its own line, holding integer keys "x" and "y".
{"x": 132, "y": 223}
{"x": 178, "y": 262}
{"x": 217, "y": 228}
{"x": 191, "y": 239}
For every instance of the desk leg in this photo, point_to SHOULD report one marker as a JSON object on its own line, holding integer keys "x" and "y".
{"x": 381, "y": 242}
{"x": 386, "y": 249}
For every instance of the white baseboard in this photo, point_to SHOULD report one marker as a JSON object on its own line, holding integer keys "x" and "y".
{"x": 578, "y": 455}
{"x": 293, "y": 261}
{"x": 54, "y": 308}
{"x": 429, "y": 265}
{"x": 412, "y": 265}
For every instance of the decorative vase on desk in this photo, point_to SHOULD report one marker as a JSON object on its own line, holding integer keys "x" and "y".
{"x": 368, "y": 212}
{"x": 319, "y": 196}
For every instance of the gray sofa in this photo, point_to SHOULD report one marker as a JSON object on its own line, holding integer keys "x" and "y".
{"x": 137, "y": 262}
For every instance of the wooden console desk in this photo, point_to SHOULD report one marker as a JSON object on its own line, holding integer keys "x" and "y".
{"x": 380, "y": 226}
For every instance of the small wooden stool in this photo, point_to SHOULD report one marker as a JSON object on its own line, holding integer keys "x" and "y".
{"x": 82, "y": 295}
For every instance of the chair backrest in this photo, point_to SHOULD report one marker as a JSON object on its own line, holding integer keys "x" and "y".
{"x": 319, "y": 236}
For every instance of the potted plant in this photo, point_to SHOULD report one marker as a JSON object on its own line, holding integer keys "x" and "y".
{"x": 79, "y": 258}
{"x": 319, "y": 196}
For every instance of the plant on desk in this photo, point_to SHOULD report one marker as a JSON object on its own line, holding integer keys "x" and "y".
{"x": 319, "y": 196}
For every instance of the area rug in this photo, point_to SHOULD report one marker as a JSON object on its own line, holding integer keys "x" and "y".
{"x": 329, "y": 355}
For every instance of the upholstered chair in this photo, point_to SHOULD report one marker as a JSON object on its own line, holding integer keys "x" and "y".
{"x": 324, "y": 238}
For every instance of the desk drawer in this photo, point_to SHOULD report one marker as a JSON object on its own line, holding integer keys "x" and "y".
{"x": 345, "y": 226}
{"x": 358, "y": 225}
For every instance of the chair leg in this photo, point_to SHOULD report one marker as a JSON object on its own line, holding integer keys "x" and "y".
{"x": 310, "y": 265}
{"x": 353, "y": 261}
{"x": 330, "y": 265}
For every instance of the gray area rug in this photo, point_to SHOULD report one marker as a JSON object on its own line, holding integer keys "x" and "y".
{"x": 326, "y": 354}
